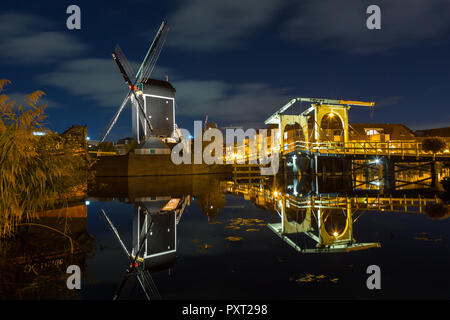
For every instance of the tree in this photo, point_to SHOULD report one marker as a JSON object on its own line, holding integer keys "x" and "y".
{"x": 36, "y": 172}
{"x": 433, "y": 145}
{"x": 437, "y": 211}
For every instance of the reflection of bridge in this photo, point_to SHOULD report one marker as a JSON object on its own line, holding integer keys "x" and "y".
{"x": 267, "y": 198}
{"x": 316, "y": 210}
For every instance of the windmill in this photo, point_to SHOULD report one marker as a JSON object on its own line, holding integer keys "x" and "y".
{"x": 139, "y": 85}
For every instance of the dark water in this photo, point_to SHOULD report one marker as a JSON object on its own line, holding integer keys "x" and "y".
{"x": 225, "y": 248}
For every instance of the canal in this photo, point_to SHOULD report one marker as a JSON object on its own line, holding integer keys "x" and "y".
{"x": 211, "y": 238}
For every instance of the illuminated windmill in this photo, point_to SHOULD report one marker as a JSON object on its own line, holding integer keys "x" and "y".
{"x": 153, "y": 101}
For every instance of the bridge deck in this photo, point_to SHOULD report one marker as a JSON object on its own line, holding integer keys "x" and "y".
{"x": 363, "y": 149}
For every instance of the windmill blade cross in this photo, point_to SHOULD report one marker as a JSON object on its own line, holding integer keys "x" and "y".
{"x": 142, "y": 238}
{"x": 131, "y": 85}
{"x": 146, "y": 68}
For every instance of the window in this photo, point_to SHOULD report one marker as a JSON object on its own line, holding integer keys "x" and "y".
{"x": 372, "y": 132}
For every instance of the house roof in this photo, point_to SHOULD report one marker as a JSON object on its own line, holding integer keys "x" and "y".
{"x": 153, "y": 143}
{"x": 438, "y": 132}
{"x": 396, "y": 130}
{"x": 158, "y": 83}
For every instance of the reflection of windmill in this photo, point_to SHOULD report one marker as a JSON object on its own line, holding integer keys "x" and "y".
{"x": 160, "y": 247}
{"x": 153, "y": 101}
{"x": 154, "y": 240}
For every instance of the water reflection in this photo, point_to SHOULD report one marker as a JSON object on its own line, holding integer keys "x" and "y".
{"x": 307, "y": 214}
{"x": 306, "y": 219}
{"x": 33, "y": 264}
{"x": 159, "y": 205}
{"x": 328, "y": 221}
{"x": 155, "y": 237}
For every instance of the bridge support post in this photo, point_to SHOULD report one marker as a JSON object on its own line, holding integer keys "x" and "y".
{"x": 434, "y": 176}
{"x": 389, "y": 175}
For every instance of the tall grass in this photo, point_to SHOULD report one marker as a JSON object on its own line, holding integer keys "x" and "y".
{"x": 35, "y": 171}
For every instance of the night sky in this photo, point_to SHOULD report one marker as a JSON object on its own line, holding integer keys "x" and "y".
{"x": 237, "y": 61}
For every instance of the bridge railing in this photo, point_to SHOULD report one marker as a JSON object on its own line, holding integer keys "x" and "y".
{"x": 391, "y": 204}
{"x": 103, "y": 153}
{"x": 354, "y": 147}
{"x": 414, "y": 204}
{"x": 363, "y": 147}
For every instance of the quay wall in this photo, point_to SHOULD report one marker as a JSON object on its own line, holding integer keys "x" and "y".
{"x": 133, "y": 165}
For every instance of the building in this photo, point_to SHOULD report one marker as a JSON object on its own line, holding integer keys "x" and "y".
{"x": 124, "y": 145}
{"x": 381, "y": 132}
{"x": 438, "y": 132}
{"x": 158, "y": 101}
{"x": 152, "y": 145}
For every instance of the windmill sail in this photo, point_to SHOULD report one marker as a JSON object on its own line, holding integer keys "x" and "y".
{"x": 152, "y": 53}
{"x": 144, "y": 72}
{"x": 127, "y": 66}
{"x": 132, "y": 88}
{"x": 116, "y": 116}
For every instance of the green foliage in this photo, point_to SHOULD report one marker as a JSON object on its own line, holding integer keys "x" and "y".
{"x": 106, "y": 147}
{"x": 36, "y": 172}
{"x": 433, "y": 145}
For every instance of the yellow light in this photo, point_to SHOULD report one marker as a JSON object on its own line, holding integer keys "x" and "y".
{"x": 331, "y": 115}
{"x": 275, "y": 194}
{"x": 446, "y": 151}
{"x": 335, "y": 234}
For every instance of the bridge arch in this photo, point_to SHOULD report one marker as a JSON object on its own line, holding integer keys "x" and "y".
{"x": 335, "y": 222}
{"x": 332, "y": 125}
{"x": 290, "y": 127}
{"x": 335, "y": 225}
{"x": 293, "y": 132}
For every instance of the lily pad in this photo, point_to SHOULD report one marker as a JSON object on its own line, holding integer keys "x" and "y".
{"x": 231, "y": 238}
{"x": 205, "y": 246}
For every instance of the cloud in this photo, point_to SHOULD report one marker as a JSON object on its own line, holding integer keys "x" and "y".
{"x": 229, "y": 104}
{"x": 388, "y": 101}
{"x": 429, "y": 125}
{"x": 97, "y": 80}
{"x": 404, "y": 23}
{"x": 93, "y": 79}
{"x": 26, "y": 39}
{"x": 209, "y": 25}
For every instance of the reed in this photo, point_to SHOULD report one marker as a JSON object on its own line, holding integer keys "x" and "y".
{"x": 36, "y": 172}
